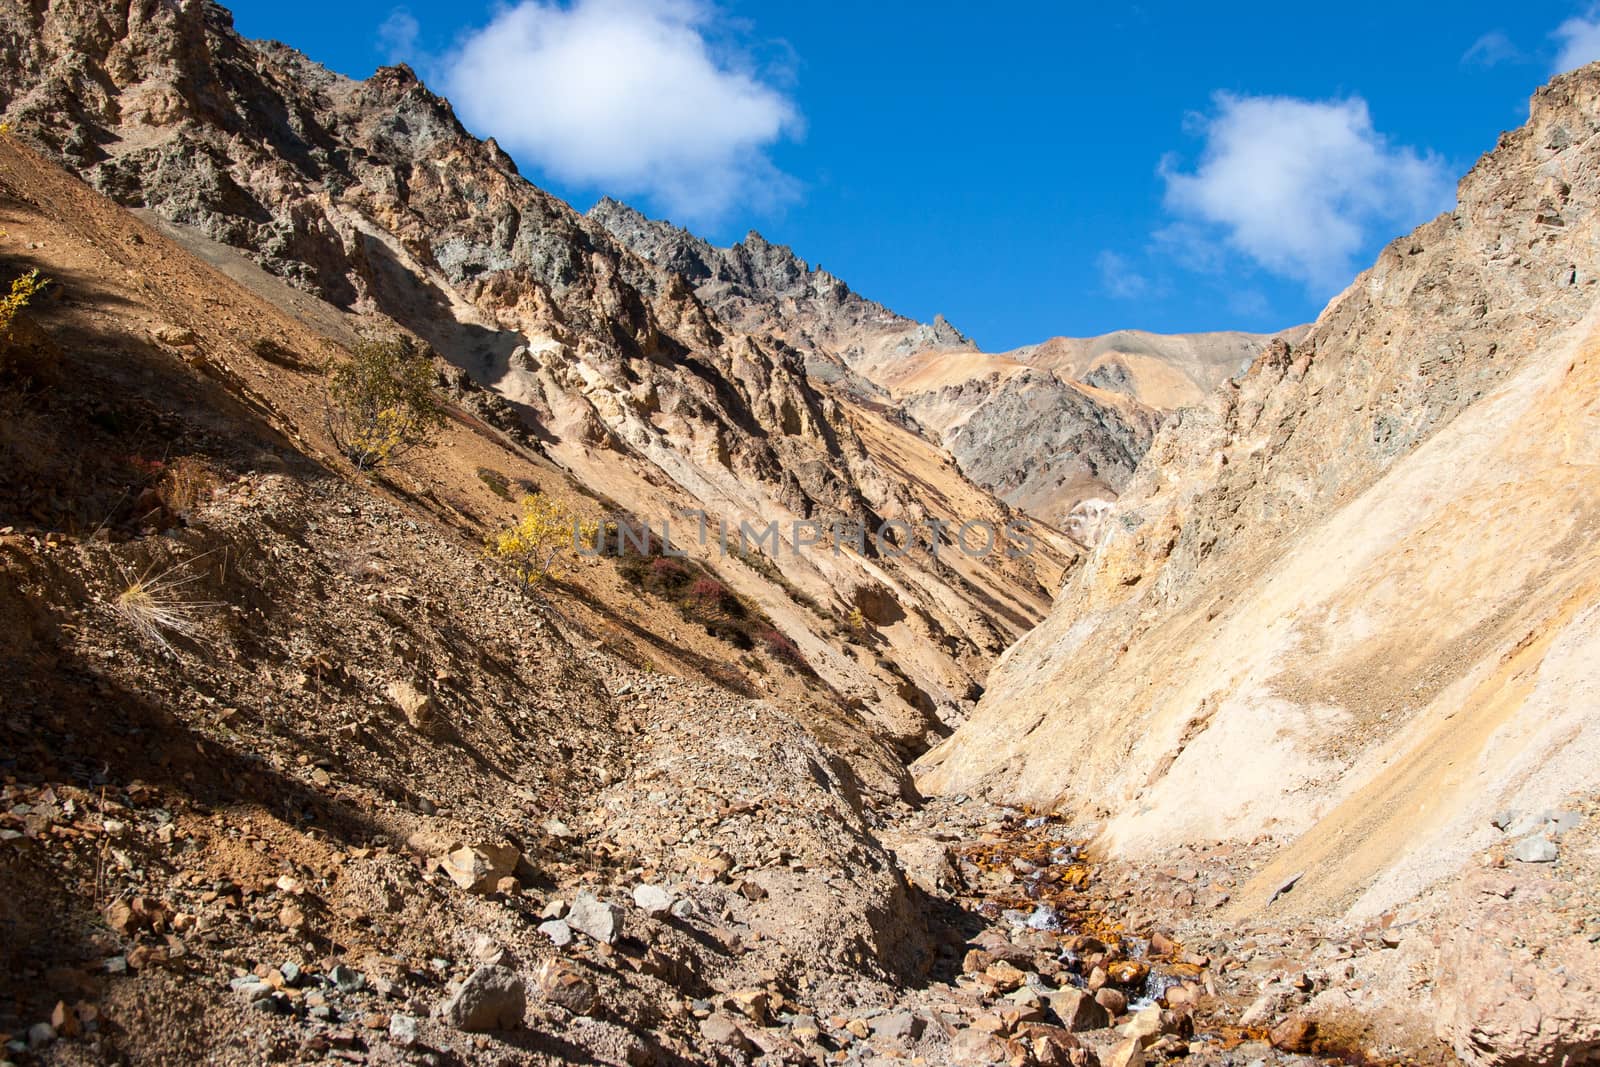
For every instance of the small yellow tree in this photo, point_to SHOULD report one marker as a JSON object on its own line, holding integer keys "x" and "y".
{"x": 23, "y": 290}
{"x": 382, "y": 402}
{"x": 535, "y": 544}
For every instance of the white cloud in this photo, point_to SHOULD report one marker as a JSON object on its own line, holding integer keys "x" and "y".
{"x": 1119, "y": 279}
{"x": 629, "y": 97}
{"x": 1580, "y": 41}
{"x": 1490, "y": 50}
{"x": 1303, "y": 186}
{"x": 397, "y": 36}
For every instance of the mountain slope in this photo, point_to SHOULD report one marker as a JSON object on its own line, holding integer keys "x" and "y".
{"x": 1397, "y": 628}
{"x": 371, "y": 196}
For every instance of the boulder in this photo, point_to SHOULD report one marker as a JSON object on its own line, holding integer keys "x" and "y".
{"x": 492, "y": 998}
{"x": 595, "y": 919}
{"x": 1079, "y": 1010}
{"x": 479, "y": 868}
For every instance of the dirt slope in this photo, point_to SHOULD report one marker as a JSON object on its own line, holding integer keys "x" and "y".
{"x": 1393, "y": 639}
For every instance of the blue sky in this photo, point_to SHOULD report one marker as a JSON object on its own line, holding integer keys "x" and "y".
{"x": 1033, "y": 170}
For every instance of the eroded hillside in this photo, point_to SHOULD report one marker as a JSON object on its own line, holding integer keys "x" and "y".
{"x": 1349, "y": 606}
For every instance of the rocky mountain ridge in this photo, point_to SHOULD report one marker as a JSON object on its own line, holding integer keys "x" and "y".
{"x": 372, "y": 196}
{"x": 1093, "y": 404}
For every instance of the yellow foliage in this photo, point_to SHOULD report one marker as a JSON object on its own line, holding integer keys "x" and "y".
{"x": 382, "y": 403}
{"x": 23, "y": 289}
{"x": 535, "y": 544}
{"x": 858, "y": 620}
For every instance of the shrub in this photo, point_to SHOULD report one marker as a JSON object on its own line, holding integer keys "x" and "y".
{"x": 155, "y": 605}
{"x": 534, "y": 545}
{"x": 497, "y": 483}
{"x": 780, "y": 647}
{"x": 711, "y": 595}
{"x": 187, "y": 482}
{"x": 382, "y": 402}
{"x": 23, "y": 290}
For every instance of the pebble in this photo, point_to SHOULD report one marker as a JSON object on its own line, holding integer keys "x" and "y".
{"x": 347, "y": 980}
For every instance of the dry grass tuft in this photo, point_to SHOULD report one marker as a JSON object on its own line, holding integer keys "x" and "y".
{"x": 156, "y": 606}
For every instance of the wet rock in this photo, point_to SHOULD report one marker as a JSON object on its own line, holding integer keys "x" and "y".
{"x": 595, "y": 919}
{"x": 1114, "y": 1001}
{"x": 492, "y": 998}
{"x": 1079, "y": 1010}
{"x": 1128, "y": 973}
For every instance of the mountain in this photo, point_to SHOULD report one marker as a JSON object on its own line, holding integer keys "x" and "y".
{"x": 1343, "y": 608}
{"x": 1053, "y": 429}
{"x": 1299, "y": 762}
{"x": 371, "y": 196}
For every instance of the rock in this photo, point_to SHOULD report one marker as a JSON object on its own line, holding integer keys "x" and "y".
{"x": 900, "y": 1025}
{"x": 1535, "y": 850}
{"x": 804, "y": 1028}
{"x": 40, "y": 1035}
{"x": 1503, "y": 818}
{"x": 479, "y": 868}
{"x": 492, "y": 998}
{"x": 1079, "y": 1010}
{"x": 1003, "y": 976}
{"x": 1128, "y": 1054}
{"x": 1294, "y": 1034}
{"x": 652, "y": 899}
{"x": 1153, "y": 1022}
{"x": 559, "y": 933}
{"x": 557, "y": 982}
{"x": 1128, "y": 973}
{"x": 486, "y": 949}
{"x": 753, "y": 1003}
{"x": 1114, "y": 1001}
{"x": 721, "y": 1029}
{"x": 347, "y": 980}
{"x": 176, "y": 336}
{"x": 554, "y": 909}
{"x": 1052, "y": 1046}
{"x": 416, "y": 706}
{"x": 594, "y": 918}
{"x": 403, "y": 1029}
{"x": 974, "y": 1046}
{"x": 1162, "y": 945}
